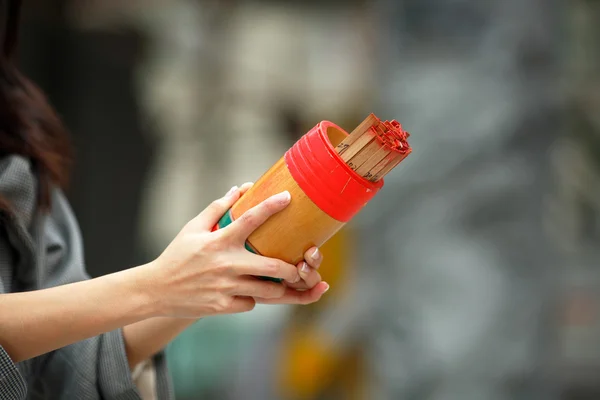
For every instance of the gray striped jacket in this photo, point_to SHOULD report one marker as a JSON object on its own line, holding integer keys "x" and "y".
{"x": 40, "y": 251}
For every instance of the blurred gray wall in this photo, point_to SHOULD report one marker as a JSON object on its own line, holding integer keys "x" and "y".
{"x": 89, "y": 78}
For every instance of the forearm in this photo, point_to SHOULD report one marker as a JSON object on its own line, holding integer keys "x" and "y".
{"x": 37, "y": 322}
{"x": 146, "y": 338}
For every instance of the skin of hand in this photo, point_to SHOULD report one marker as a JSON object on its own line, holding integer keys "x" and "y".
{"x": 203, "y": 273}
{"x": 146, "y": 338}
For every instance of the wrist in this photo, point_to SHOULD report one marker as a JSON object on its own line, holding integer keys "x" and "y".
{"x": 145, "y": 291}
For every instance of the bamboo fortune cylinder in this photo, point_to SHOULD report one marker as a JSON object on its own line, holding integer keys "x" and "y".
{"x": 325, "y": 192}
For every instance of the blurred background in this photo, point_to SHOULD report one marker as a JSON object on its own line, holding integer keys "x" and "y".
{"x": 475, "y": 274}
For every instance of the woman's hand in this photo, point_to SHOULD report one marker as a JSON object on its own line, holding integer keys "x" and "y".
{"x": 204, "y": 273}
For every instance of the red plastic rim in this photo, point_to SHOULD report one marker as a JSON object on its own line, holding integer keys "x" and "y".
{"x": 325, "y": 178}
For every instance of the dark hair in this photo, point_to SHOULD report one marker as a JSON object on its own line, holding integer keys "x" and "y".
{"x": 29, "y": 126}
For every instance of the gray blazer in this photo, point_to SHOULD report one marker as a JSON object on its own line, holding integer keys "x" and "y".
{"x": 38, "y": 251}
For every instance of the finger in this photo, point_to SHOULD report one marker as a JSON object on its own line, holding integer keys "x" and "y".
{"x": 293, "y": 296}
{"x": 249, "y": 221}
{"x": 215, "y": 210}
{"x": 300, "y": 285}
{"x": 313, "y": 257}
{"x": 245, "y": 187}
{"x": 310, "y": 277}
{"x": 242, "y": 304}
{"x": 254, "y": 287}
{"x": 247, "y": 263}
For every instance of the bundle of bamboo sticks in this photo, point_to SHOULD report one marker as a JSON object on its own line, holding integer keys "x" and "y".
{"x": 374, "y": 148}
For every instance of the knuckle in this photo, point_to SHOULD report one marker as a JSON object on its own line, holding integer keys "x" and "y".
{"x": 249, "y": 218}
{"x": 200, "y": 251}
{"x": 199, "y": 248}
{"x": 224, "y": 284}
{"x": 273, "y": 291}
{"x": 195, "y": 245}
{"x": 202, "y": 242}
{"x": 271, "y": 207}
{"x": 214, "y": 207}
{"x": 214, "y": 308}
{"x": 223, "y": 303}
{"x": 273, "y": 268}
{"x": 217, "y": 204}
{"x": 213, "y": 242}
{"x": 224, "y": 266}
{"x": 187, "y": 239}
{"x": 222, "y": 239}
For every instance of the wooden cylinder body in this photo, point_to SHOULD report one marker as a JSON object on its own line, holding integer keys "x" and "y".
{"x": 289, "y": 233}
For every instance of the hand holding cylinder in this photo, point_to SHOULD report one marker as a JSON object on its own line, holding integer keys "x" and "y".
{"x": 204, "y": 272}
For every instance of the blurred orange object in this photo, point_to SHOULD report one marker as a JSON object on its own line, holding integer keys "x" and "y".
{"x": 309, "y": 361}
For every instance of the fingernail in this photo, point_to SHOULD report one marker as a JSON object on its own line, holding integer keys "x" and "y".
{"x": 305, "y": 268}
{"x": 283, "y": 196}
{"x": 315, "y": 255}
{"x": 231, "y": 191}
{"x": 326, "y": 288}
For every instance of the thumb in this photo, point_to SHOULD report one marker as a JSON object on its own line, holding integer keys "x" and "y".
{"x": 242, "y": 304}
{"x": 215, "y": 210}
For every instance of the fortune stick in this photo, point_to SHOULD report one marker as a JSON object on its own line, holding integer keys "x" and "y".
{"x": 375, "y": 148}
